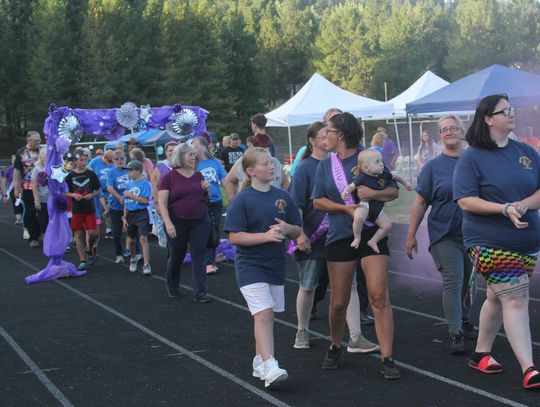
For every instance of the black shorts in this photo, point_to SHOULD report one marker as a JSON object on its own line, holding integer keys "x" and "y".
{"x": 138, "y": 223}
{"x": 342, "y": 250}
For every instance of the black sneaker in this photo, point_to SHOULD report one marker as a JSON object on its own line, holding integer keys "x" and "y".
{"x": 469, "y": 332}
{"x": 389, "y": 369}
{"x": 457, "y": 345}
{"x": 83, "y": 266}
{"x": 203, "y": 299}
{"x": 330, "y": 361}
{"x": 366, "y": 319}
{"x": 174, "y": 292}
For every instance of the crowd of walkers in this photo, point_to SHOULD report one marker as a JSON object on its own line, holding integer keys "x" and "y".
{"x": 480, "y": 189}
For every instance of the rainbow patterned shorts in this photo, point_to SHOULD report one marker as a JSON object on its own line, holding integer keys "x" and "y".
{"x": 499, "y": 265}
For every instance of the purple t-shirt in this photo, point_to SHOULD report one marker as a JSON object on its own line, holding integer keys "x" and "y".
{"x": 388, "y": 152}
{"x": 187, "y": 198}
{"x": 9, "y": 175}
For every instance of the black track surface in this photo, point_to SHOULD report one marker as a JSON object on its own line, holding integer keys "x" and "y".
{"x": 114, "y": 338}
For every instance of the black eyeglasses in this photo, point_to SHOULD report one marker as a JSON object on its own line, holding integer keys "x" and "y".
{"x": 506, "y": 112}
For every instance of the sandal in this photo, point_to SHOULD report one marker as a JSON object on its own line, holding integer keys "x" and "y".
{"x": 487, "y": 365}
{"x": 531, "y": 378}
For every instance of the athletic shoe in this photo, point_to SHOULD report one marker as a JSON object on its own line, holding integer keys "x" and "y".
{"x": 133, "y": 265}
{"x": 68, "y": 249}
{"x": 147, "y": 270}
{"x": 174, "y": 292}
{"x": 273, "y": 374}
{"x": 203, "y": 299}
{"x": 366, "y": 319}
{"x": 531, "y": 378}
{"x": 35, "y": 244}
{"x": 90, "y": 258}
{"x": 211, "y": 269}
{"x": 361, "y": 345}
{"x": 331, "y": 359}
{"x": 127, "y": 253}
{"x": 25, "y": 234}
{"x": 302, "y": 339}
{"x": 258, "y": 367}
{"x": 138, "y": 257}
{"x": 389, "y": 369}
{"x": 119, "y": 259}
{"x": 457, "y": 345}
{"x": 468, "y": 329}
{"x": 83, "y": 266}
{"x": 487, "y": 364}
{"x": 108, "y": 234}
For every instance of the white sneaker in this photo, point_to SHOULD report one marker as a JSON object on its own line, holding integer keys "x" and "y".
{"x": 147, "y": 270}
{"x": 273, "y": 374}
{"x": 133, "y": 265}
{"x": 258, "y": 367}
{"x": 138, "y": 257}
{"x": 119, "y": 259}
{"x": 361, "y": 345}
{"x": 26, "y": 235}
{"x": 302, "y": 339}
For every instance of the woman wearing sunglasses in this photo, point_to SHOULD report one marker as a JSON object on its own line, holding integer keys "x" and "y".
{"x": 497, "y": 185}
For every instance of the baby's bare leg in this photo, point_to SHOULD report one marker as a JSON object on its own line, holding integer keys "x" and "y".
{"x": 385, "y": 225}
{"x": 360, "y": 215}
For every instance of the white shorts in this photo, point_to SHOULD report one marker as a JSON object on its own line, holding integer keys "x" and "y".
{"x": 261, "y": 296}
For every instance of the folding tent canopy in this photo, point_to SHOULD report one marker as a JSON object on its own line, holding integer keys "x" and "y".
{"x": 315, "y": 98}
{"x": 462, "y": 96}
{"x": 150, "y": 137}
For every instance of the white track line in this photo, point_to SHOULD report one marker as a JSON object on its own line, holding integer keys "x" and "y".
{"x": 55, "y": 391}
{"x": 265, "y": 396}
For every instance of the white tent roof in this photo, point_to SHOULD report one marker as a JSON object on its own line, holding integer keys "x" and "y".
{"x": 316, "y": 97}
{"x": 426, "y": 84}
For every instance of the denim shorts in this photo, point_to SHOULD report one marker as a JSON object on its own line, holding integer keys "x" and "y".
{"x": 309, "y": 272}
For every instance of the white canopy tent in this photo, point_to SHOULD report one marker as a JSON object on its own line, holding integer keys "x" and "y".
{"x": 315, "y": 98}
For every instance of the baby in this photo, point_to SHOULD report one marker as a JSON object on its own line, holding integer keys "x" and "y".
{"x": 372, "y": 173}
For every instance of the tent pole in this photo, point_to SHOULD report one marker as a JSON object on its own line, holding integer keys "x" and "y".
{"x": 397, "y": 137}
{"x": 411, "y": 149}
{"x": 290, "y": 145}
{"x": 364, "y": 133}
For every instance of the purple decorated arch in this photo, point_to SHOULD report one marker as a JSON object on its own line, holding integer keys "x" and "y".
{"x": 63, "y": 127}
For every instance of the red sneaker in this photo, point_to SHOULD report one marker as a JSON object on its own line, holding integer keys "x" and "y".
{"x": 531, "y": 378}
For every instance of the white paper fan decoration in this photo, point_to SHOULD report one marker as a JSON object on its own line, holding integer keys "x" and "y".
{"x": 184, "y": 122}
{"x": 127, "y": 115}
{"x": 69, "y": 129}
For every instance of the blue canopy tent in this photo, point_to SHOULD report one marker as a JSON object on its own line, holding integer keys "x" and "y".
{"x": 462, "y": 96}
{"x": 150, "y": 137}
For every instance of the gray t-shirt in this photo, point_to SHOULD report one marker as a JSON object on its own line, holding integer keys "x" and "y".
{"x": 42, "y": 183}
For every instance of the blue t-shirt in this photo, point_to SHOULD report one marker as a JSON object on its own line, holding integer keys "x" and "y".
{"x": 253, "y": 211}
{"x": 213, "y": 172}
{"x": 101, "y": 169}
{"x": 506, "y": 174}
{"x": 142, "y": 189}
{"x": 118, "y": 179}
{"x": 435, "y": 186}
{"x": 378, "y": 182}
{"x": 300, "y": 188}
{"x": 325, "y": 187}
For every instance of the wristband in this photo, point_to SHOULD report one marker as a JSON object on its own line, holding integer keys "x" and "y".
{"x": 505, "y": 209}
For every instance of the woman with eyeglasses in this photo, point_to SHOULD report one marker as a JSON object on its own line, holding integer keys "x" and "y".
{"x": 497, "y": 185}
{"x": 434, "y": 189}
{"x": 334, "y": 173}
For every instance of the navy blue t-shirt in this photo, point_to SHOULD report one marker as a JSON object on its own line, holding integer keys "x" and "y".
{"x": 435, "y": 186}
{"x": 254, "y": 211}
{"x": 325, "y": 187}
{"x": 300, "y": 188}
{"x": 378, "y": 182}
{"x": 505, "y": 174}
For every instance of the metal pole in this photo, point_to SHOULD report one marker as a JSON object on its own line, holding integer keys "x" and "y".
{"x": 364, "y": 133}
{"x": 290, "y": 144}
{"x": 397, "y": 137}
{"x": 411, "y": 148}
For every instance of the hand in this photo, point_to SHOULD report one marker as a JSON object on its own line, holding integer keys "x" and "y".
{"x": 274, "y": 236}
{"x": 303, "y": 243}
{"x": 411, "y": 246}
{"x": 105, "y": 211}
{"x": 364, "y": 193}
{"x": 88, "y": 197}
{"x": 125, "y": 223}
{"x": 281, "y": 226}
{"x": 345, "y": 194}
{"x": 77, "y": 196}
{"x": 121, "y": 200}
{"x": 128, "y": 195}
{"x": 37, "y": 205}
{"x": 408, "y": 186}
{"x": 514, "y": 216}
{"x": 205, "y": 185}
{"x": 171, "y": 230}
{"x": 521, "y": 207}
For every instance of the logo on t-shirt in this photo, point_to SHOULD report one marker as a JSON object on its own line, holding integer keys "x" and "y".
{"x": 209, "y": 174}
{"x": 526, "y": 162}
{"x": 382, "y": 182}
{"x": 281, "y": 205}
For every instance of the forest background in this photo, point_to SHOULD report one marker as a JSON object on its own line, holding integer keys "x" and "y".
{"x": 239, "y": 57}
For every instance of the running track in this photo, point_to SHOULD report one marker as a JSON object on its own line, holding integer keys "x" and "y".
{"x": 114, "y": 338}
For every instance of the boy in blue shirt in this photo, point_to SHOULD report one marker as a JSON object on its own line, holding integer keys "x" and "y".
{"x": 136, "y": 218}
